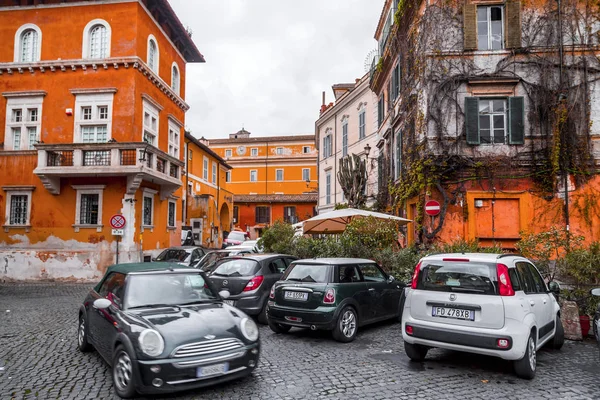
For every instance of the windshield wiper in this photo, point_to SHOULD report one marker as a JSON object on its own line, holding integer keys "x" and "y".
{"x": 308, "y": 279}
{"x": 155, "y": 306}
{"x": 199, "y": 301}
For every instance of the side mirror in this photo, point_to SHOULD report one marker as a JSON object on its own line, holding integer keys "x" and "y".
{"x": 102, "y": 304}
{"x": 390, "y": 279}
{"x": 554, "y": 287}
{"x": 595, "y": 292}
{"x": 224, "y": 294}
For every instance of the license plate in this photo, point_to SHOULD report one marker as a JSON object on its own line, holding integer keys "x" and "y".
{"x": 215, "y": 369}
{"x": 300, "y": 296}
{"x": 456, "y": 313}
{"x": 229, "y": 302}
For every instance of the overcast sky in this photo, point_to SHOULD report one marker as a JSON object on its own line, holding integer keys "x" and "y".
{"x": 268, "y": 61}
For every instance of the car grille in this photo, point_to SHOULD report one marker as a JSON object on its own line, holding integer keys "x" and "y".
{"x": 207, "y": 347}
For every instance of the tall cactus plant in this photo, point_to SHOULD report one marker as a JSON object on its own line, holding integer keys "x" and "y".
{"x": 352, "y": 177}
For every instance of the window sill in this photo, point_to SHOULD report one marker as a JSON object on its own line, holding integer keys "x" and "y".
{"x": 171, "y": 228}
{"x": 149, "y": 227}
{"x": 8, "y": 227}
{"x": 87, "y": 226}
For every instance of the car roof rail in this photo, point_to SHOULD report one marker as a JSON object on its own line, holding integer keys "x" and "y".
{"x": 510, "y": 255}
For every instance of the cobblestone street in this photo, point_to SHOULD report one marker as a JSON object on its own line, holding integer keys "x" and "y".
{"x": 39, "y": 359}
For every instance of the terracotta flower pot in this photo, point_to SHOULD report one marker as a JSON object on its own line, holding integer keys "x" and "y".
{"x": 584, "y": 321}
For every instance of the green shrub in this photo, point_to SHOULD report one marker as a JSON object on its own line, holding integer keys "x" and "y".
{"x": 277, "y": 238}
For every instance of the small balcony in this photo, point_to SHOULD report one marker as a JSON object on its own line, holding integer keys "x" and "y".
{"x": 137, "y": 161}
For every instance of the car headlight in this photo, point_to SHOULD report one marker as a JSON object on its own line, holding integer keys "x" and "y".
{"x": 151, "y": 342}
{"x": 249, "y": 329}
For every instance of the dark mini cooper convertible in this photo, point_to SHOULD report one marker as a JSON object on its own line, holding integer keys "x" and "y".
{"x": 337, "y": 294}
{"x": 163, "y": 327}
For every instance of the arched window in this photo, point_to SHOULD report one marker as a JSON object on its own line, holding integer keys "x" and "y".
{"x": 152, "y": 54}
{"x": 28, "y": 43}
{"x": 175, "y": 80}
{"x": 96, "y": 39}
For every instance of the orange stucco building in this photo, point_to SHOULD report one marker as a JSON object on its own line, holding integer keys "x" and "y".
{"x": 208, "y": 203}
{"x": 92, "y": 106}
{"x": 273, "y": 178}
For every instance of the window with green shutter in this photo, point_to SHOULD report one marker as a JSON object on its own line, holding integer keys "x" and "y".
{"x": 494, "y": 120}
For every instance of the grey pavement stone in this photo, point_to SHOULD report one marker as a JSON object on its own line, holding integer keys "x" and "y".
{"x": 38, "y": 352}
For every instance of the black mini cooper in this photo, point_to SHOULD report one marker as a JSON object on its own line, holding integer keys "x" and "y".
{"x": 164, "y": 328}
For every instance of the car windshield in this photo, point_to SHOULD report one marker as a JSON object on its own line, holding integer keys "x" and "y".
{"x": 147, "y": 290}
{"x": 237, "y": 236}
{"x": 173, "y": 254}
{"x": 451, "y": 276}
{"x": 236, "y": 267}
{"x": 308, "y": 273}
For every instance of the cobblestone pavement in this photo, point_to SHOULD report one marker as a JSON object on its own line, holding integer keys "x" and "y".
{"x": 39, "y": 359}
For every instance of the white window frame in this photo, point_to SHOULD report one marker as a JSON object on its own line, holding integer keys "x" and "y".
{"x": 279, "y": 151}
{"x": 17, "y": 191}
{"x": 87, "y": 36}
{"x": 214, "y": 173}
{"x": 305, "y": 149}
{"x": 306, "y": 171}
{"x": 18, "y": 44}
{"x": 174, "y": 202}
{"x": 344, "y": 137}
{"x": 152, "y": 111}
{"x": 362, "y": 124}
{"x": 205, "y": 169}
{"x": 489, "y": 26}
{"x": 227, "y": 176}
{"x": 490, "y": 115}
{"x": 255, "y": 172}
{"x": 277, "y": 171}
{"x": 175, "y": 80}
{"x": 151, "y": 194}
{"x": 228, "y": 153}
{"x": 88, "y": 189}
{"x": 175, "y": 128}
{"x": 254, "y": 152}
{"x": 153, "y": 66}
{"x": 328, "y": 187}
{"x": 93, "y": 100}
{"x": 25, "y": 104}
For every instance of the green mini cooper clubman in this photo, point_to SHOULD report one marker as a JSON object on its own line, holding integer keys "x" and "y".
{"x": 336, "y": 294}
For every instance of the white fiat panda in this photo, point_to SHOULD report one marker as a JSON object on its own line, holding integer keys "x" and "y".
{"x": 491, "y": 304}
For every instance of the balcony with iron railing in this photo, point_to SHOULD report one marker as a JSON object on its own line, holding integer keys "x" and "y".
{"x": 136, "y": 161}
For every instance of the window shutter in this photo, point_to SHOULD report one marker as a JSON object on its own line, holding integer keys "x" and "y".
{"x": 512, "y": 25}
{"x": 516, "y": 119}
{"x": 470, "y": 26}
{"x": 472, "y": 119}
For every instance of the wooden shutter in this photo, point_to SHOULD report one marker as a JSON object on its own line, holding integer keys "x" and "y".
{"x": 470, "y": 26}
{"x": 516, "y": 118}
{"x": 513, "y": 24}
{"x": 472, "y": 119}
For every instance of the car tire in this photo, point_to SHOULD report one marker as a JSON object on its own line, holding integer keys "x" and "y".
{"x": 262, "y": 316}
{"x": 122, "y": 373}
{"x": 526, "y": 366}
{"x": 82, "y": 335}
{"x": 346, "y": 325}
{"x": 278, "y": 328}
{"x": 559, "y": 335}
{"x": 401, "y": 307}
{"x": 415, "y": 352}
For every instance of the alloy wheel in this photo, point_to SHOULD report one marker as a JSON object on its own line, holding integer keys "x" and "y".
{"x": 123, "y": 371}
{"x": 348, "y": 324}
{"x": 532, "y": 354}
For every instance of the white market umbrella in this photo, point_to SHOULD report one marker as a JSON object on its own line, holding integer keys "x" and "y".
{"x": 336, "y": 221}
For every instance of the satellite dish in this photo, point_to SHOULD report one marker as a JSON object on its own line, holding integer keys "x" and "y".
{"x": 369, "y": 59}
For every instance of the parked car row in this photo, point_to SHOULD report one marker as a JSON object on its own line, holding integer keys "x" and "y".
{"x": 166, "y": 327}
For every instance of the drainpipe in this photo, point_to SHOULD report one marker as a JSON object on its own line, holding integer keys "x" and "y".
{"x": 335, "y": 160}
{"x": 187, "y": 184}
{"x": 560, "y": 99}
{"x": 267, "y": 170}
{"x": 218, "y": 198}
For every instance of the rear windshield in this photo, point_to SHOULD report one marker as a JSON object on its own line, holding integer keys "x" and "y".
{"x": 239, "y": 236}
{"x": 172, "y": 254}
{"x": 236, "y": 267}
{"x": 452, "y": 276}
{"x": 308, "y": 273}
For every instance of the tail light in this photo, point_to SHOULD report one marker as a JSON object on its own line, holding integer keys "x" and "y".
{"x": 409, "y": 330}
{"x": 503, "y": 343}
{"x": 415, "y": 277}
{"x": 504, "y": 285}
{"x": 272, "y": 294}
{"x": 254, "y": 283}
{"x": 329, "y": 296}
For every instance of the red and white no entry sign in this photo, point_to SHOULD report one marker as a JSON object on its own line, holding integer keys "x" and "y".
{"x": 432, "y": 207}
{"x": 117, "y": 221}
